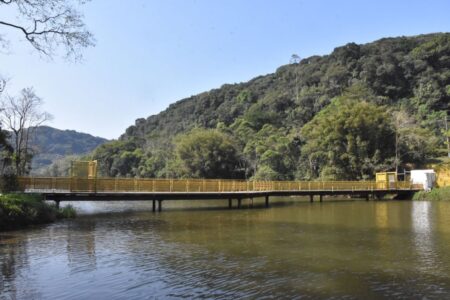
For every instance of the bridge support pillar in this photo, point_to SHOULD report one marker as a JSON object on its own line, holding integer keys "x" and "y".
{"x": 230, "y": 203}
{"x": 367, "y": 197}
{"x": 160, "y": 205}
{"x": 267, "y": 201}
{"x": 311, "y": 198}
{"x": 239, "y": 202}
{"x": 57, "y": 203}
{"x": 153, "y": 205}
{"x": 251, "y": 202}
{"x": 320, "y": 198}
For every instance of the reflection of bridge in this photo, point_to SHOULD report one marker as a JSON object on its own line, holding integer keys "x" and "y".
{"x": 158, "y": 190}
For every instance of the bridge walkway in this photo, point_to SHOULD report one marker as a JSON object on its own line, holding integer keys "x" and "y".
{"x": 157, "y": 190}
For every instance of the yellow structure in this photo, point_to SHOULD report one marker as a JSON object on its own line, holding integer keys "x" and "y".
{"x": 78, "y": 184}
{"x": 83, "y": 169}
{"x": 387, "y": 179}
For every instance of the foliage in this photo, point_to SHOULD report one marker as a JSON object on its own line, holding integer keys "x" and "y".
{"x": 272, "y": 154}
{"x": 8, "y": 183}
{"x": 67, "y": 212}
{"x": 271, "y": 119}
{"x": 208, "y": 154}
{"x": 20, "y": 210}
{"x": 118, "y": 158}
{"x": 435, "y": 194}
{"x": 349, "y": 139}
{"x": 6, "y": 151}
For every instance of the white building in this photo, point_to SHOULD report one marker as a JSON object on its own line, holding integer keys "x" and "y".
{"x": 425, "y": 177}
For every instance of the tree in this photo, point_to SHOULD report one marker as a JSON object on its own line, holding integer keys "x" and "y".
{"x": 208, "y": 154}
{"x": 349, "y": 139}
{"x": 295, "y": 59}
{"x": 413, "y": 143}
{"x": 271, "y": 154}
{"x": 47, "y": 25}
{"x": 5, "y": 151}
{"x": 21, "y": 115}
{"x": 5, "y": 146}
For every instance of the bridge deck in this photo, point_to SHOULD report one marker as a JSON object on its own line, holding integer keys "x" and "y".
{"x": 110, "y": 196}
{"x": 110, "y": 189}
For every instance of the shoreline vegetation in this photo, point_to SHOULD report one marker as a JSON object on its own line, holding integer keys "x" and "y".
{"x": 436, "y": 194}
{"x": 21, "y": 210}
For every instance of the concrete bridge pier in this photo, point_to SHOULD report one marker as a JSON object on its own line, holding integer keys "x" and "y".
{"x": 57, "y": 203}
{"x": 153, "y": 205}
{"x": 267, "y": 201}
{"x": 230, "y": 203}
{"x": 239, "y": 202}
{"x": 311, "y": 198}
{"x": 320, "y": 198}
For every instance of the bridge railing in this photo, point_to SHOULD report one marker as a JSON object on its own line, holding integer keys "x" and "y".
{"x": 72, "y": 184}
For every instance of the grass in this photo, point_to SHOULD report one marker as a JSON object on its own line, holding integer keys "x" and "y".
{"x": 21, "y": 210}
{"x": 436, "y": 194}
{"x": 67, "y": 212}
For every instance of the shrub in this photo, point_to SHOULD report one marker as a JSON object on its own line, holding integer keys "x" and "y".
{"x": 8, "y": 183}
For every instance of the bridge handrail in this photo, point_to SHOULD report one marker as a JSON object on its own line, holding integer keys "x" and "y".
{"x": 74, "y": 184}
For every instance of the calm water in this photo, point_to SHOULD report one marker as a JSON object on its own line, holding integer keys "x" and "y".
{"x": 352, "y": 249}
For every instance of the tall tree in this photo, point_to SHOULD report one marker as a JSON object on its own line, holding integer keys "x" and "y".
{"x": 5, "y": 151}
{"x": 21, "y": 115}
{"x": 47, "y": 25}
{"x": 413, "y": 143}
{"x": 208, "y": 154}
{"x": 295, "y": 59}
{"x": 349, "y": 139}
{"x": 5, "y": 147}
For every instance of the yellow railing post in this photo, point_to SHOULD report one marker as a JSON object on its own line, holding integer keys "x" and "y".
{"x": 116, "y": 184}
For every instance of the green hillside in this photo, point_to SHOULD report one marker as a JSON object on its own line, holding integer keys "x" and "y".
{"x": 345, "y": 115}
{"x": 52, "y": 145}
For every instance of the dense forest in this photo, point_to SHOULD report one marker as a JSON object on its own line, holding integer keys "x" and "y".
{"x": 361, "y": 109}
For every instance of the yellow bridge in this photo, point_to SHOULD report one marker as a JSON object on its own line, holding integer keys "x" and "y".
{"x": 157, "y": 190}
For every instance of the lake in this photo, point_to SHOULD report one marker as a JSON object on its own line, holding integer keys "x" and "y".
{"x": 295, "y": 249}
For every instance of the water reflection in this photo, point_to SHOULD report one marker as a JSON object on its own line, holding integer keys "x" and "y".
{"x": 13, "y": 261}
{"x": 423, "y": 237}
{"x": 81, "y": 246}
{"x": 342, "y": 250}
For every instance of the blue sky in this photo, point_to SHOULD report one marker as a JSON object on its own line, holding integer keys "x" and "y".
{"x": 152, "y": 53}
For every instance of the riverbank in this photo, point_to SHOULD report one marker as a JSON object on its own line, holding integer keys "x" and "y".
{"x": 436, "y": 194}
{"x": 21, "y": 210}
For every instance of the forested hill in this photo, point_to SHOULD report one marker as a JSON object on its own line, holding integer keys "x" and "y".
{"x": 51, "y": 144}
{"x": 362, "y": 108}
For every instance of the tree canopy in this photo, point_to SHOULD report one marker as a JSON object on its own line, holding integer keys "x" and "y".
{"x": 349, "y": 139}
{"x": 208, "y": 154}
{"x": 332, "y": 116}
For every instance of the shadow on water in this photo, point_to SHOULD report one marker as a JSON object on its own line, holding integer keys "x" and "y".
{"x": 109, "y": 208}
